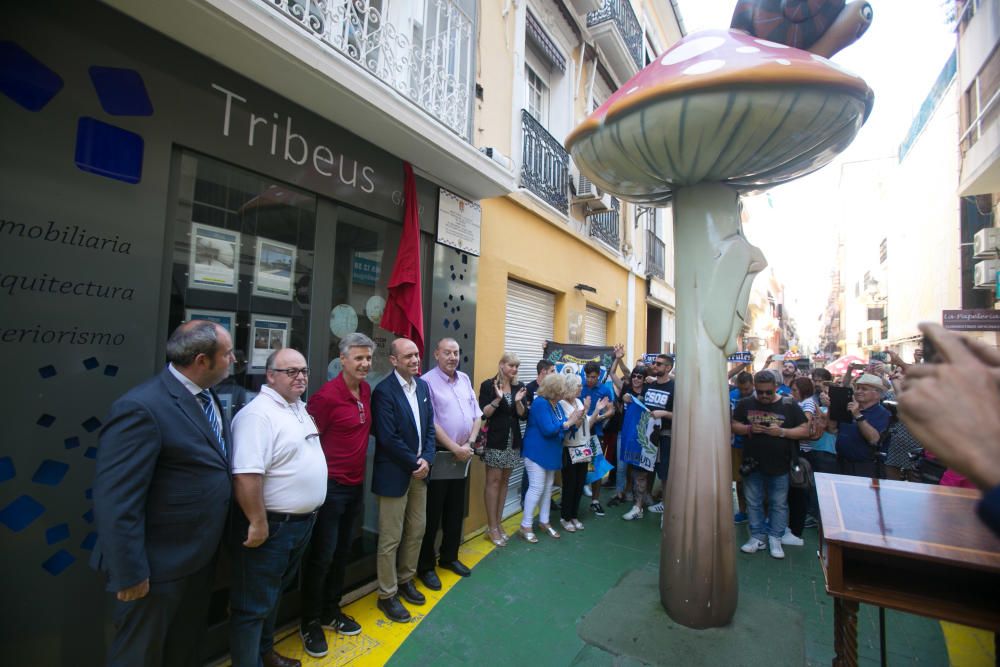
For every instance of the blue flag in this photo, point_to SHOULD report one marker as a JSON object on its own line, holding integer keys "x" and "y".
{"x": 637, "y": 448}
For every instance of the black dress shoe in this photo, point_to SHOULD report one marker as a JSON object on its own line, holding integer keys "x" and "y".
{"x": 275, "y": 659}
{"x": 430, "y": 579}
{"x": 411, "y": 594}
{"x": 393, "y": 609}
{"x": 457, "y": 567}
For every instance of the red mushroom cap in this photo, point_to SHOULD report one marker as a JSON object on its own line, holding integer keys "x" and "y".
{"x": 720, "y": 106}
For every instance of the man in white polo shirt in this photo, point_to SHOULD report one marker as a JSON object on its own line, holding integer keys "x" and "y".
{"x": 279, "y": 479}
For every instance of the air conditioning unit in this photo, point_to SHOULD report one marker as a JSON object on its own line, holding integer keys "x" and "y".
{"x": 599, "y": 204}
{"x": 498, "y": 157}
{"x": 585, "y": 189}
{"x": 986, "y": 243}
{"x": 986, "y": 273}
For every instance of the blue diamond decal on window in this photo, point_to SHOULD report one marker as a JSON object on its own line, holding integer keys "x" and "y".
{"x": 121, "y": 91}
{"x": 57, "y": 533}
{"x": 21, "y": 513}
{"x": 58, "y": 562}
{"x": 111, "y": 370}
{"x": 24, "y": 79}
{"x": 46, "y": 421}
{"x": 72, "y": 442}
{"x": 89, "y": 541}
{"x": 91, "y": 425}
{"x": 90, "y": 363}
{"x": 50, "y": 473}
{"x": 47, "y": 371}
{"x": 109, "y": 151}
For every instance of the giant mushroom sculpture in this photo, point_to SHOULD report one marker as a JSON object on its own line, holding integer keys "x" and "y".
{"x": 719, "y": 114}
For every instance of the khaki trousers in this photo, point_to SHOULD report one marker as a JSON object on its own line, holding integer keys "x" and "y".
{"x": 401, "y": 523}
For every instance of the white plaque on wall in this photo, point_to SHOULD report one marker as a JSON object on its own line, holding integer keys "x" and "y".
{"x": 459, "y": 222}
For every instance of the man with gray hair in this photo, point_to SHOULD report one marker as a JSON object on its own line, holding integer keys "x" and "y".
{"x": 858, "y": 439}
{"x": 342, "y": 410}
{"x": 162, "y": 491}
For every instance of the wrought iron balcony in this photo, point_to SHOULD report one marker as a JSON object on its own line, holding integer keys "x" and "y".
{"x": 426, "y": 57}
{"x": 607, "y": 226}
{"x": 656, "y": 255}
{"x": 544, "y": 163}
{"x": 620, "y": 13}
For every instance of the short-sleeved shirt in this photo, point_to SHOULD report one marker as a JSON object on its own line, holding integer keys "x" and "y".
{"x": 344, "y": 424}
{"x": 279, "y": 440}
{"x": 660, "y": 396}
{"x": 596, "y": 394}
{"x": 455, "y": 405}
{"x": 850, "y": 444}
{"x": 773, "y": 454}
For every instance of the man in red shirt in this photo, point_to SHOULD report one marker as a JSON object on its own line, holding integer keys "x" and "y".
{"x": 342, "y": 410}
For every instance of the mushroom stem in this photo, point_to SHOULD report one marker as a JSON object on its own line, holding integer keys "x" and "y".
{"x": 715, "y": 266}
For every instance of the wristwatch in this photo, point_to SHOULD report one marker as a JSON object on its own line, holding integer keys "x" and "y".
{"x": 860, "y": 418}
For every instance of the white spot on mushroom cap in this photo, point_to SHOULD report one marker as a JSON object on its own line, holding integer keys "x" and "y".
{"x": 705, "y": 66}
{"x": 689, "y": 50}
{"x": 747, "y": 49}
{"x": 783, "y": 61}
{"x": 773, "y": 45}
{"x": 631, "y": 90}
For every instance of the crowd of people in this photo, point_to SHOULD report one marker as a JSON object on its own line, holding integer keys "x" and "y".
{"x": 282, "y": 487}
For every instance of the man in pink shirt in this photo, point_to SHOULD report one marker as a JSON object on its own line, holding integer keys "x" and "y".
{"x": 457, "y": 418}
{"x": 342, "y": 410}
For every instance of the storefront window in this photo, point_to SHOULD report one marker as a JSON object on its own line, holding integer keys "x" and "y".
{"x": 243, "y": 257}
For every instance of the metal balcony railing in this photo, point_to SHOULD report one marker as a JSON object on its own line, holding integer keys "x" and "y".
{"x": 427, "y": 57}
{"x": 544, "y": 163}
{"x": 607, "y": 226}
{"x": 656, "y": 255}
{"x": 620, "y": 11}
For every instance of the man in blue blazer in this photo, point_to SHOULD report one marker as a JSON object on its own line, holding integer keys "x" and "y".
{"x": 162, "y": 489}
{"x": 404, "y": 452}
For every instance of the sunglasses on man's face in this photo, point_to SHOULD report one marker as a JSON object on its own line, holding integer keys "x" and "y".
{"x": 765, "y": 392}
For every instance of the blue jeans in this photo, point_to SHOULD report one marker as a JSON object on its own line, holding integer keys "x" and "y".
{"x": 259, "y": 576}
{"x": 776, "y": 488}
{"x": 325, "y": 562}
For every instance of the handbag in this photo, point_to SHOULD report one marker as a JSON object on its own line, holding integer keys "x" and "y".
{"x": 800, "y": 473}
{"x": 581, "y": 453}
{"x": 479, "y": 447}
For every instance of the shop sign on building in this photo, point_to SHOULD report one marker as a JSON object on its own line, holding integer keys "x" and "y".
{"x": 981, "y": 319}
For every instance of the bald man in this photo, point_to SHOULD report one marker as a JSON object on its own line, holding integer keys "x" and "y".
{"x": 279, "y": 480}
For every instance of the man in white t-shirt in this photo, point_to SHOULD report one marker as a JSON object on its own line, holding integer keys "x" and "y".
{"x": 279, "y": 479}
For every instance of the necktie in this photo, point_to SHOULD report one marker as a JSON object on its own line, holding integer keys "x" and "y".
{"x": 213, "y": 420}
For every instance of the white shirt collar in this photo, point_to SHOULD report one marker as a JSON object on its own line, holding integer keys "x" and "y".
{"x": 407, "y": 386}
{"x": 184, "y": 380}
{"x": 278, "y": 398}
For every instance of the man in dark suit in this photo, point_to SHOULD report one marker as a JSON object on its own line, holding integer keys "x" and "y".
{"x": 161, "y": 497}
{"x": 404, "y": 452}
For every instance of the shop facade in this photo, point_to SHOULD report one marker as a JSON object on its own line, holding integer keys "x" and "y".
{"x": 144, "y": 184}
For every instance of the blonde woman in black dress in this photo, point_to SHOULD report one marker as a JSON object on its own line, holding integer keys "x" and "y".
{"x": 502, "y": 401}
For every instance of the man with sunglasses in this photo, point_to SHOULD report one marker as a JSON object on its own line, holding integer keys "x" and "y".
{"x": 279, "y": 480}
{"x": 342, "y": 409}
{"x": 771, "y": 425}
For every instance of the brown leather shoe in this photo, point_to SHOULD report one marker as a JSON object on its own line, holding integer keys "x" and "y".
{"x": 275, "y": 659}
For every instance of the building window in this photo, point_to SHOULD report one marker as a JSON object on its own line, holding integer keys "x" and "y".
{"x": 538, "y": 96}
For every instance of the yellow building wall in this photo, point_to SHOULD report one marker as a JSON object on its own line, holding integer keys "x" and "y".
{"x": 495, "y": 73}
{"x": 518, "y": 244}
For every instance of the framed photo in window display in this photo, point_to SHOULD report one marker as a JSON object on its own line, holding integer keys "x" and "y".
{"x": 267, "y": 334}
{"x": 274, "y": 269}
{"x": 215, "y": 258}
{"x": 225, "y": 319}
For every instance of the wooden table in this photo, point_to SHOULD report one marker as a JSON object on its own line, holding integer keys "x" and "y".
{"x": 912, "y": 547}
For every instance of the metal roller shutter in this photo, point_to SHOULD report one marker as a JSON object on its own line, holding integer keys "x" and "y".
{"x": 528, "y": 324}
{"x": 595, "y": 327}
{"x": 530, "y": 312}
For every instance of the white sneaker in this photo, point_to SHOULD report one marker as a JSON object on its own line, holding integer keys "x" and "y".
{"x": 774, "y": 544}
{"x": 577, "y": 524}
{"x": 587, "y": 491}
{"x": 634, "y": 513}
{"x": 789, "y": 539}
{"x": 752, "y": 546}
{"x": 657, "y": 508}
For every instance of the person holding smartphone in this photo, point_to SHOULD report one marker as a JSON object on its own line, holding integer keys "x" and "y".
{"x": 859, "y": 433}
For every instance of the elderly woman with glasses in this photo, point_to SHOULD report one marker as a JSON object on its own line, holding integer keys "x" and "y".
{"x": 548, "y": 425}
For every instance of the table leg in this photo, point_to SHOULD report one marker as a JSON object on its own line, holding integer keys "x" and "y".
{"x": 845, "y": 632}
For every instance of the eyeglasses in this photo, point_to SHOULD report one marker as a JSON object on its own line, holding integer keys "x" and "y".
{"x": 765, "y": 392}
{"x": 292, "y": 372}
{"x": 361, "y": 411}
{"x": 659, "y": 363}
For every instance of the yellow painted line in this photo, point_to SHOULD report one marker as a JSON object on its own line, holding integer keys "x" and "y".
{"x": 968, "y": 647}
{"x": 379, "y": 636}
